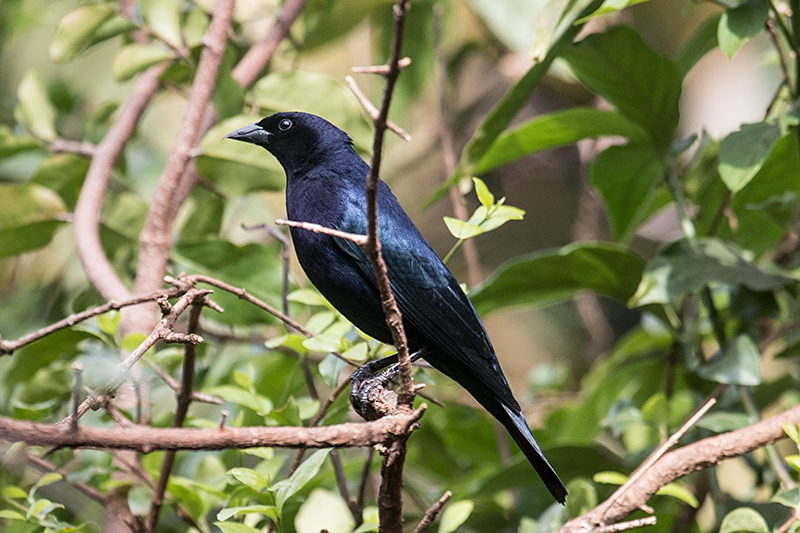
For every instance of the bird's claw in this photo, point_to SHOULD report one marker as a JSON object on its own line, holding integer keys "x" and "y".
{"x": 369, "y": 394}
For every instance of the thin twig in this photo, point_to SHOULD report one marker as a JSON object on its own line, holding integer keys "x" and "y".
{"x": 83, "y": 488}
{"x": 7, "y": 347}
{"x": 432, "y": 512}
{"x": 77, "y": 368}
{"x": 316, "y": 228}
{"x": 184, "y": 399}
{"x": 381, "y": 69}
{"x": 372, "y": 111}
{"x": 626, "y": 526}
{"x": 786, "y": 526}
{"x": 83, "y": 148}
{"x": 197, "y": 396}
{"x": 665, "y": 447}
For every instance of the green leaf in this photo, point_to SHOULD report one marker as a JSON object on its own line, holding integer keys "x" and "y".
{"x": 235, "y": 527}
{"x": 249, "y": 477}
{"x": 744, "y": 520}
{"x": 454, "y": 515}
{"x": 323, "y": 510}
{"x": 76, "y": 29}
{"x": 702, "y": 41}
{"x": 788, "y": 497}
{"x": 134, "y": 58}
{"x": 63, "y": 173}
{"x": 318, "y": 94}
{"x": 516, "y": 97}
{"x": 305, "y": 472}
{"x": 610, "y": 478}
{"x": 740, "y": 24}
{"x": 740, "y": 364}
{"x": 461, "y": 229}
{"x": 644, "y": 86}
{"x": 683, "y": 267}
{"x": 245, "y": 398}
{"x": 308, "y": 297}
{"x": 550, "y": 276}
{"x": 267, "y": 510}
{"x": 485, "y": 196}
{"x": 499, "y": 215}
{"x": 34, "y": 109}
{"x": 582, "y": 497}
{"x": 48, "y": 479}
{"x": 679, "y": 492}
{"x": 743, "y": 153}
{"x": 331, "y": 367}
{"x": 793, "y": 432}
{"x": 163, "y": 19}
{"x": 626, "y": 178}
{"x": 610, "y": 6}
{"x": 557, "y": 129}
{"x": 11, "y": 144}
{"x": 12, "y": 492}
{"x": 724, "y": 421}
{"x": 109, "y": 322}
{"x": 29, "y": 217}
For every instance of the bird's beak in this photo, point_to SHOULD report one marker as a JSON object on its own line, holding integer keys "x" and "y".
{"x": 252, "y": 133}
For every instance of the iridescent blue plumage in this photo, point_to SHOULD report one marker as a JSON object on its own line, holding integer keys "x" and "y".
{"x": 326, "y": 181}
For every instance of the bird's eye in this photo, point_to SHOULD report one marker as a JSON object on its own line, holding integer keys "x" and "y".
{"x": 284, "y": 124}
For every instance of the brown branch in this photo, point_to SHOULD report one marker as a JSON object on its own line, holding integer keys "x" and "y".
{"x": 432, "y": 513}
{"x": 197, "y": 396}
{"x": 316, "y": 228}
{"x": 155, "y": 239}
{"x": 83, "y": 148}
{"x": 370, "y": 108}
{"x": 673, "y": 465}
{"x": 87, "y": 211}
{"x": 626, "y": 526}
{"x": 148, "y": 439}
{"x": 83, "y": 488}
{"x": 7, "y": 347}
{"x": 184, "y": 399}
{"x": 162, "y": 331}
{"x": 390, "y": 494}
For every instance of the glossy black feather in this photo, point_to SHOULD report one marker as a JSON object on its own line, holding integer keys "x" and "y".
{"x": 326, "y": 182}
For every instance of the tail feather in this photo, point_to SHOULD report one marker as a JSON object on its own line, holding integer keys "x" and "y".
{"x": 521, "y": 433}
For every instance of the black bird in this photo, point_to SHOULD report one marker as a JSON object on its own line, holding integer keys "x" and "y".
{"x": 325, "y": 185}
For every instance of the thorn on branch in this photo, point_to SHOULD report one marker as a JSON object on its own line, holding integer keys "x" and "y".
{"x": 223, "y": 416}
{"x": 383, "y": 70}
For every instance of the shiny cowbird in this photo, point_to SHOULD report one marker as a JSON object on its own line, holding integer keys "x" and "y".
{"x": 325, "y": 185}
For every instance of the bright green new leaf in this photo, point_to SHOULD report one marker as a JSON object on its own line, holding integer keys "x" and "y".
{"x": 793, "y": 432}
{"x": 34, "y": 109}
{"x": 684, "y": 267}
{"x": 454, "y": 515}
{"x": 610, "y": 478}
{"x": 76, "y": 29}
{"x": 134, "y": 58}
{"x": 235, "y": 527}
{"x": 556, "y": 129}
{"x": 48, "y": 479}
{"x": 610, "y": 6}
{"x": 679, "y": 492}
{"x": 644, "y": 86}
{"x": 324, "y": 510}
{"x": 163, "y": 19}
{"x": 550, "y": 276}
{"x": 267, "y": 510}
{"x": 249, "y": 477}
{"x": 744, "y": 520}
{"x": 740, "y": 364}
{"x": 461, "y": 229}
{"x": 305, "y": 472}
{"x": 12, "y": 492}
{"x": 740, "y": 24}
{"x": 485, "y": 196}
{"x": 11, "y": 515}
{"x": 743, "y": 153}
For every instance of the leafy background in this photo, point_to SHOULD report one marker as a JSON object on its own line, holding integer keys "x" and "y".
{"x": 654, "y": 259}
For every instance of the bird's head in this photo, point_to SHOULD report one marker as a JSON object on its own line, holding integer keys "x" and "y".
{"x": 295, "y": 139}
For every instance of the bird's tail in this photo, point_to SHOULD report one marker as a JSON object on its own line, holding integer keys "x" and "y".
{"x": 521, "y": 433}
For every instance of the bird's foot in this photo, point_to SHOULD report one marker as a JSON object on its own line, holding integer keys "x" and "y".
{"x": 369, "y": 392}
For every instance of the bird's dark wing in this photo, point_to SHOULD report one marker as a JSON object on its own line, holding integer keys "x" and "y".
{"x": 428, "y": 296}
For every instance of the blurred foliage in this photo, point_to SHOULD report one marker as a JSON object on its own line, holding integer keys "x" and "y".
{"x": 712, "y": 301}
